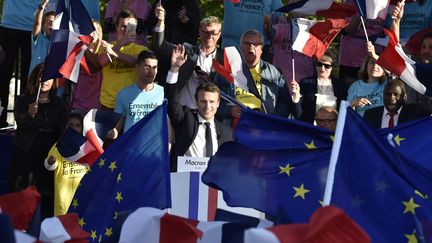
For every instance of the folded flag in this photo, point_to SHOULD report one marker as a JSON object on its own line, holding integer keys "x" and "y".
{"x": 133, "y": 172}
{"x": 63, "y": 228}
{"x": 71, "y": 34}
{"x": 235, "y": 71}
{"x": 324, "y": 8}
{"x": 76, "y": 148}
{"x": 20, "y": 206}
{"x": 312, "y": 38}
{"x": 327, "y": 224}
{"x": 372, "y": 9}
{"x": 393, "y": 188}
{"x": 394, "y": 59}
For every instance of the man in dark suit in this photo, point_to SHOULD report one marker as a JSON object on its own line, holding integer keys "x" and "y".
{"x": 202, "y": 55}
{"x": 197, "y": 132}
{"x": 395, "y": 110}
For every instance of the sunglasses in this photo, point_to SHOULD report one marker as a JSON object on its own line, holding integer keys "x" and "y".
{"x": 327, "y": 66}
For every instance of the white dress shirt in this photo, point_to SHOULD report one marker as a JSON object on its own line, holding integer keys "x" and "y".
{"x": 386, "y": 118}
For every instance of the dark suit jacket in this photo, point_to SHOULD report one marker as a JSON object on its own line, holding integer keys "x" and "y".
{"x": 185, "y": 123}
{"x": 164, "y": 48}
{"x": 308, "y": 89}
{"x": 408, "y": 112}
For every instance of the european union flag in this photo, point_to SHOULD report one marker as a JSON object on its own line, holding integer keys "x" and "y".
{"x": 133, "y": 172}
{"x": 385, "y": 194}
{"x": 277, "y": 166}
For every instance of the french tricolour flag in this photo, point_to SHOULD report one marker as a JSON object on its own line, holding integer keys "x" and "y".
{"x": 236, "y": 71}
{"x": 394, "y": 59}
{"x": 192, "y": 199}
{"x": 154, "y": 225}
{"x": 62, "y": 228}
{"x": 372, "y": 9}
{"x": 76, "y": 148}
{"x": 325, "y": 8}
{"x": 71, "y": 29}
{"x": 313, "y": 38}
{"x": 97, "y": 123}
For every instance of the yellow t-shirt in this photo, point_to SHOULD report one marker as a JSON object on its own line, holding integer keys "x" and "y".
{"x": 118, "y": 75}
{"x": 247, "y": 98}
{"x": 67, "y": 177}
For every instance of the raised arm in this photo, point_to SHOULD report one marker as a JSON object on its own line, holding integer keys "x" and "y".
{"x": 37, "y": 25}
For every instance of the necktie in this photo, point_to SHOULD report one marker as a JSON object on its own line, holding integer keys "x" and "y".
{"x": 209, "y": 141}
{"x": 391, "y": 120}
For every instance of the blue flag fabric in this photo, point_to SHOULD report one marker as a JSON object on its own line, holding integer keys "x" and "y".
{"x": 379, "y": 189}
{"x": 133, "y": 172}
{"x": 73, "y": 16}
{"x": 286, "y": 184}
{"x": 261, "y": 131}
{"x": 277, "y": 166}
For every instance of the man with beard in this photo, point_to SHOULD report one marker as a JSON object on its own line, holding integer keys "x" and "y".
{"x": 139, "y": 99}
{"x": 395, "y": 110}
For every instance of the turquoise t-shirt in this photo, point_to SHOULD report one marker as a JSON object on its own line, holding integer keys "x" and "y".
{"x": 40, "y": 47}
{"x": 134, "y": 103}
{"x": 247, "y": 14}
{"x": 372, "y": 91}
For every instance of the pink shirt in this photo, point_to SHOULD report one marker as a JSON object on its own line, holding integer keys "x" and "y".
{"x": 87, "y": 91}
{"x": 282, "y": 57}
{"x": 353, "y": 47}
{"x": 140, "y": 8}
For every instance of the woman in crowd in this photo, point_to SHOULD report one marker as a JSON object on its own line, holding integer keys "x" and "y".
{"x": 85, "y": 95}
{"x": 322, "y": 90}
{"x": 39, "y": 114}
{"x": 367, "y": 92}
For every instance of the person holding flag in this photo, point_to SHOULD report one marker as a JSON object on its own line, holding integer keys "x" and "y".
{"x": 268, "y": 91}
{"x": 39, "y": 114}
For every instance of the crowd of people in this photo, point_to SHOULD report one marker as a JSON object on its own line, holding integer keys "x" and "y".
{"x": 166, "y": 51}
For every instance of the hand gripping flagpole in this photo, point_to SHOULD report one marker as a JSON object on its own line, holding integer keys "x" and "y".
{"x": 335, "y": 152}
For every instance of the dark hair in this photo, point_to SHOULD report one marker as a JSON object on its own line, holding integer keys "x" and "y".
{"x": 398, "y": 83}
{"x": 123, "y": 14}
{"x": 147, "y": 54}
{"x": 33, "y": 82}
{"x": 50, "y": 13}
{"x": 72, "y": 115}
{"x": 207, "y": 87}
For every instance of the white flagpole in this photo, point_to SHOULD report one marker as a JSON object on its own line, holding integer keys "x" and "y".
{"x": 38, "y": 93}
{"x": 335, "y": 152}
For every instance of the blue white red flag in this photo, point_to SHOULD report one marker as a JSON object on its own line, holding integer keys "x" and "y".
{"x": 71, "y": 29}
{"x": 235, "y": 71}
{"x": 312, "y": 38}
{"x": 76, "y": 148}
{"x": 394, "y": 59}
{"x": 324, "y": 8}
{"x": 97, "y": 123}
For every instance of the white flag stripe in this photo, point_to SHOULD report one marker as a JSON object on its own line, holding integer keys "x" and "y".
{"x": 52, "y": 230}
{"x": 259, "y": 236}
{"x": 236, "y": 64}
{"x": 143, "y": 222}
{"x": 301, "y": 33}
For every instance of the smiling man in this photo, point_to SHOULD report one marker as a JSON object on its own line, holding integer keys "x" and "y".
{"x": 197, "y": 132}
{"x": 395, "y": 110}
